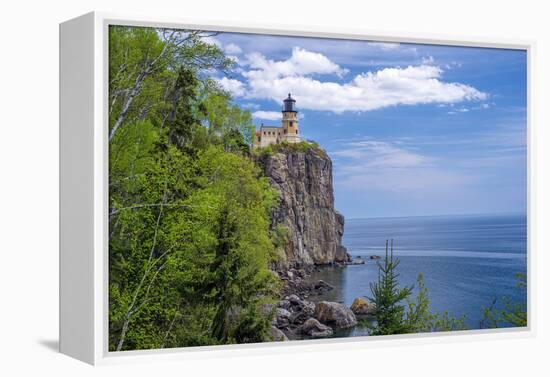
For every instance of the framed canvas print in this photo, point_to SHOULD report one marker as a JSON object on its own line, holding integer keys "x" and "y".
{"x": 231, "y": 188}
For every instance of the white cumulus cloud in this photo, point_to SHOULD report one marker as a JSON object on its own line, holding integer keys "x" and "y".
{"x": 233, "y": 49}
{"x": 268, "y": 115}
{"x": 233, "y": 86}
{"x": 420, "y": 84}
{"x": 301, "y": 62}
{"x": 271, "y": 115}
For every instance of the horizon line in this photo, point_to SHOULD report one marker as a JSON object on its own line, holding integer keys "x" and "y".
{"x": 441, "y": 215}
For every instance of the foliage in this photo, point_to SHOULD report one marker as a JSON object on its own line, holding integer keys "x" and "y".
{"x": 144, "y": 63}
{"x": 396, "y": 312}
{"x": 509, "y": 313}
{"x": 189, "y": 237}
{"x": 285, "y": 147}
{"x": 388, "y": 297}
{"x": 419, "y": 318}
{"x": 223, "y": 119}
{"x": 253, "y": 328}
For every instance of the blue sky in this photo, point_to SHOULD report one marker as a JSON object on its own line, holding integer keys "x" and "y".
{"x": 412, "y": 129}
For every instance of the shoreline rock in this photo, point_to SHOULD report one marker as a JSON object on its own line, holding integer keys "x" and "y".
{"x": 356, "y": 260}
{"x": 335, "y": 314}
{"x": 315, "y": 329}
{"x": 297, "y": 318}
{"x": 277, "y": 335}
{"x": 295, "y": 283}
{"x": 361, "y": 307}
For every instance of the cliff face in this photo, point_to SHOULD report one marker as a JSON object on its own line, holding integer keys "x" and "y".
{"x": 306, "y": 207}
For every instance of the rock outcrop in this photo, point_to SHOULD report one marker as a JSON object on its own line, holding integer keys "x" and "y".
{"x": 298, "y": 318}
{"x": 315, "y": 329}
{"x": 335, "y": 314}
{"x": 361, "y": 307}
{"x": 277, "y": 335}
{"x": 303, "y": 179}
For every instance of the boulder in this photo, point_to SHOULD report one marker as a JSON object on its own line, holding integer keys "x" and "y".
{"x": 335, "y": 314}
{"x": 284, "y": 304}
{"x": 282, "y": 318}
{"x": 357, "y": 260}
{"x": 301, "y": 288}
{"x": 362, "y": 307}
{"x": 322, "y": 286}
{"x": 277, "y": 335}
{"x": 294, "y": 300}
{"x": 299, "y": 317}
{"x": 300, "y": 273}
{"x": 308, "y": 308}
{"x": 315, "y": 329}
{"x": 300, "y": 310}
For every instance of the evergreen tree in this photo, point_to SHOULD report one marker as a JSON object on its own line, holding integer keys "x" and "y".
{"x": 398, "y": 313}
{"x": 388, "y": 297}
{"x": 189, "y": 239}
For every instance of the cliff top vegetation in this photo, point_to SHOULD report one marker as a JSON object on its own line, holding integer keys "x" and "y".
{"x": 285, "y": 147}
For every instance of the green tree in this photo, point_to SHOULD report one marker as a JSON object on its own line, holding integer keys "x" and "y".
{"x": 388, "y": 297}
{"x": 197, "y": 246}
{"x": 419, "y": 318}
{"x": 221, "y": 119}
{"x": 509, "y": 312}
{"x": 189, "y": 237}
{"x": 397, "y": 312}
{"x": 242, "y": 247}
{"x": 147, "y": 228}
{"x": 142, "y": 60}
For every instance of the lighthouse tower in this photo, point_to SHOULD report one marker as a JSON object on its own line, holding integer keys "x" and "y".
{"x": 290, "y": 121}
{"x": 269, "y": 135}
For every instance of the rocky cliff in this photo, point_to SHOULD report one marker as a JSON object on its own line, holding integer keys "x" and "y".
{"x": 303, "y": 178}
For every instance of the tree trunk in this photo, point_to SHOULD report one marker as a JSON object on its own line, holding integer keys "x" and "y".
{"x": 126, "y": 108}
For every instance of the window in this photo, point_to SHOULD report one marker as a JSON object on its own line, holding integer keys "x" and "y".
{"x": 290, "y": 123}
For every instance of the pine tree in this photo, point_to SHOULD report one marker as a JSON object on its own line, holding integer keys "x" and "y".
{"x": 397, "y": 312}
{"x": 388, "y": 297}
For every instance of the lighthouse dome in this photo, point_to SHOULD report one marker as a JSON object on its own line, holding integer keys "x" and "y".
{"x": 289, "y": 104}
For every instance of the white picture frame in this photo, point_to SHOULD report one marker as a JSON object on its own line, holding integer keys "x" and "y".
{"x": 84, "y": 189}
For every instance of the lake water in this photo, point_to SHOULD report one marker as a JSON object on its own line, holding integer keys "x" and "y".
{"x": 467, "y": 261}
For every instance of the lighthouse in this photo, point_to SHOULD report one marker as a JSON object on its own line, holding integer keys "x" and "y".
{"x": 290, "y": 120}
{"x": 288, "y": 131}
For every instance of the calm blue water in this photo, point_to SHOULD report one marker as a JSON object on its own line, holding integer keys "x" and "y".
{"x": 467, "y": 261}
